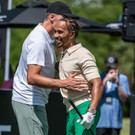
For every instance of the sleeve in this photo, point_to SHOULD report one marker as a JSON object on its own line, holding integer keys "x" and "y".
{"x": 36, "y": 54}
{"x": 88, "y": 66}
{"x": 125, "y": 85}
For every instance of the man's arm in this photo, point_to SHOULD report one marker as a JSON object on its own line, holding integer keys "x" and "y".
{"x": 122, "y": 95}
{"x": 109, "y": 76}
{"x": 97, "y": 90}
{"x": 34, "y": 78}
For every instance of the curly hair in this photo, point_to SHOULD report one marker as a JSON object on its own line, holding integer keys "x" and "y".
{"x": 72, "y": 25}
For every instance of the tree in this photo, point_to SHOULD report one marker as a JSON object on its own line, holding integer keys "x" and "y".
{"x": 99, "y": 44}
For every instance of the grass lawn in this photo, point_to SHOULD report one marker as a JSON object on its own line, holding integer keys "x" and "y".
{"x": 126, "y": 127}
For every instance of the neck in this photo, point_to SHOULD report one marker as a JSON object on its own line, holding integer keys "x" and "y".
{"x": 73, "y": 43}
{"x": 48, "y": 26}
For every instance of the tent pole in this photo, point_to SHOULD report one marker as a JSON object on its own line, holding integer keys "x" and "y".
{"x": 7, "y": 53}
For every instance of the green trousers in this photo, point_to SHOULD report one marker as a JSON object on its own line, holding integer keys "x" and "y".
{"x": 74, "y": 128}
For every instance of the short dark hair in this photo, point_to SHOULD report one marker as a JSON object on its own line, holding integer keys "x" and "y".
{"x": 46, "y": 16}
{"x": 74, "y": 26}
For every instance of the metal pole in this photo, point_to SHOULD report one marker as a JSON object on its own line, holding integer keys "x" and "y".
{"x": 134, "y": 72}
{"x": 0, "y": 7}
{"x": 7, "y": 53}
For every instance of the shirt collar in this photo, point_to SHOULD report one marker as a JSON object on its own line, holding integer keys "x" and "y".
{"x": 74, "y": 48}
{"x": 46, "y": 34}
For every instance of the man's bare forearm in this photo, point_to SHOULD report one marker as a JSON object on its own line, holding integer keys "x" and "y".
{"x": 97, "y": 92}
{"x": 45, "y": 82}
{"x": 122, "y": 95}
{"x": 34, "y": 78}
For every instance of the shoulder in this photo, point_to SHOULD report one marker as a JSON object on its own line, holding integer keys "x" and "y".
{"x": 36, "y": 37}
{"x": 123, "y": 77}
{"x": 84, "y": 50}
{"x": 85, "y": 53}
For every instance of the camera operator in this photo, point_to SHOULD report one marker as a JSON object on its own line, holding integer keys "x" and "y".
{"x": 116, "y": 92}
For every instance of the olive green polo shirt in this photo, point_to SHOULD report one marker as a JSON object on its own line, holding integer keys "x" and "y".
{"x": 77, "y": 59}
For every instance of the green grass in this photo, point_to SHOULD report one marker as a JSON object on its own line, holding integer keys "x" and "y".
{"x": 126, "y": 127}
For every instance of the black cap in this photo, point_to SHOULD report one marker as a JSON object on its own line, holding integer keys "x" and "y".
{"x": 111, "y": 61}
{"x": 61, "y": 9}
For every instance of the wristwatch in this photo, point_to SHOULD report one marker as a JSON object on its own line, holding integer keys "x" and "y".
{"x": 93, "y": 111}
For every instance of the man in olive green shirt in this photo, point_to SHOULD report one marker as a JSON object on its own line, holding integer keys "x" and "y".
{"x": 77, "y": 59}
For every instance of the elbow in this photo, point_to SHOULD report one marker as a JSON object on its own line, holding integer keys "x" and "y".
{"x": 125, "y": 98}
{"x": 30, "y": 80}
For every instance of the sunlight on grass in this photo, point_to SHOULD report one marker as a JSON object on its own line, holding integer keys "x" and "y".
{"x": 126, "y": 127}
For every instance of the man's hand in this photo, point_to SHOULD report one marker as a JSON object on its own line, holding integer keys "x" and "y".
{"x": 87, "y": 120}
{"x": 110, "y": 75}
{"x": 116, "y": 80}
{"x": 75, "y": 84}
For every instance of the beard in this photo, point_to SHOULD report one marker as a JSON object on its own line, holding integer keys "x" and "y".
{"x": 62, "y": 43}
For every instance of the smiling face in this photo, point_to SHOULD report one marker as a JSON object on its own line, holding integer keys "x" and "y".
{"x": 64, "y": 36}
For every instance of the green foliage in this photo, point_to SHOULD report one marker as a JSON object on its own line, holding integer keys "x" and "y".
{"x": 99, "y": 44}
{"x": 112, "y": 1}
{"x": 17, "y": 2}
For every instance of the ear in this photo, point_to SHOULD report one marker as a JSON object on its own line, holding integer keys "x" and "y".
{"x": 72, "y": 34}
{"x": 52, "y": 18}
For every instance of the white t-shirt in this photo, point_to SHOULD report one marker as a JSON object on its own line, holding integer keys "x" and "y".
{"x": 37, "y": 49}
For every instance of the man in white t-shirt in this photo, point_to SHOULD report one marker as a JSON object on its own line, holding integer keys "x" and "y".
{"x": 33, "y": 77}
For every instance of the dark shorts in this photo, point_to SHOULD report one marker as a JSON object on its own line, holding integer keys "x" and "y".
{"x": 107, "y": 131}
